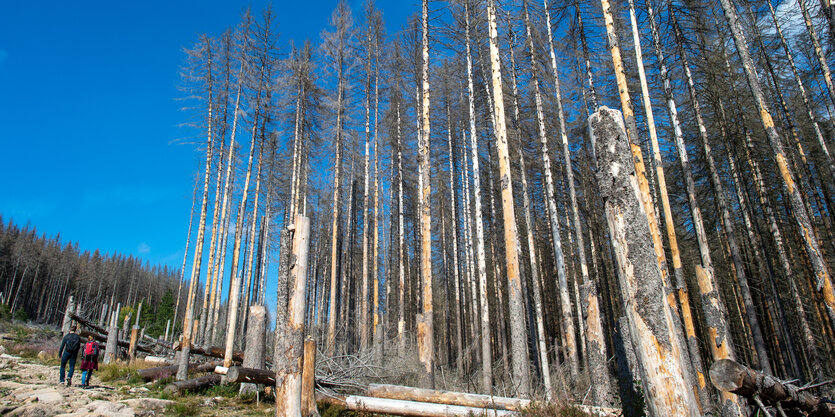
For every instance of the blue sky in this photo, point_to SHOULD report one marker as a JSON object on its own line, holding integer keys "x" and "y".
{"x": 91, "y": 146}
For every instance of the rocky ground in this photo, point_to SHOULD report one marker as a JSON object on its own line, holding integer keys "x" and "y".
{"x": 29, "y": 386}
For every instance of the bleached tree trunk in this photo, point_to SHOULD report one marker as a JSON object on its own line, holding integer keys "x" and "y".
{"x": 330, "y": 343}
{"x": 235, "y": 284}
{"x": 596, "y": 349}
{"x": 401, "y": 267}
{"x": 480, "y": 262}
{"x": 425, "y": 331}
{"x": 519, "y": 350}
{"x": 188, "y": 324}
{"x": 801, "y": 216}
{"x": 471, "y": 266}
{"x": 364, "y": 332}
{"x": 455, "y": 263}
{"x": 683, "y": 293}
{"x": 649, "y": 315}
{"x": 378, "y": 329}
{"x": 537, "y": 296}
{"x": 567, "y": 323}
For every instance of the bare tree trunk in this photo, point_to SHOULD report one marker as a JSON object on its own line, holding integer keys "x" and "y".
{"x": 651, "y": 321}
{"x": 291, "y": 349}
{"x": 801, "y": 216}
{"x": 521, "y": 372}
{"x": 813, "y": 35}
{"x": 182, "y": 372}
{"x": 567, "y": 323}
{"x": 455, "y": 216}
{"x": 481, "y": 263}
{"x": 185, "y": 257}
{"x": 683, "y": 293}
{"x": 401, "y": 308}
{"x": 330, "y": 343}
{"x": 426, "y": 344}
{"x": 363, "y": 317}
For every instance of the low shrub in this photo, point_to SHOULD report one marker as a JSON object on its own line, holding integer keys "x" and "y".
{"x": 184, "y": 409}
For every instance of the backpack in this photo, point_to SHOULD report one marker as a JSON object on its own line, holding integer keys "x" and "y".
{"x": 89, "y": 347}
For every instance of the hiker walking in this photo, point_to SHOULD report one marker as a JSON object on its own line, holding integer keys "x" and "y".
{"x": 68, "y": 353}
{"x": 89, "y": 361}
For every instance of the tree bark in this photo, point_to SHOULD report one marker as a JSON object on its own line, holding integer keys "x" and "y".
{"x": 289, "y": 351}
{"x": 255, "y": 350}
{"x": 650, "y": 316}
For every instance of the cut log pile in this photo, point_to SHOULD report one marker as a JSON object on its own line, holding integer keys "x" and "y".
{"x": 160, "y": 372}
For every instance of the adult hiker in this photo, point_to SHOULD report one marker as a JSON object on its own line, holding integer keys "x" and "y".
{"x": 89, "y": 361}
{"x": 68, "y": 353}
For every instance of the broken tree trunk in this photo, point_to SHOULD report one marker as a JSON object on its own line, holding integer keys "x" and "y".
{"x": 256, "y": 334}
{"x": 728, "y": 375}
{"x": 289, "y": 352}
{"x": 66, "y": 324}
{"x": 250, "y": 376}
{"x": 110, "y": 347}
{"x": 88, "y": 323}
{"x": 160, "y": 372}
{"x": 194, "y": 384}
{"x": 651, "y": 321}
{"x": 134, "y": 338}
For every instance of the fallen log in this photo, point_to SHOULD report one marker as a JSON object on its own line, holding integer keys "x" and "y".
{"x": 88, "y": 323}
{"x": 195, "y": 384}
{"x": 158, "y": 342}
{"x": 409, "y": 408}
{"x": 730, "y": 376}
{"x": 160, "y": 372}
{"x": 399, "y": 392}
{"x": 250, "y": 375}
{"x": 212, "y": 352}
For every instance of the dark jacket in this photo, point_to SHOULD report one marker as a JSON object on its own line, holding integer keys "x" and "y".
{"x": 70, "y": 344}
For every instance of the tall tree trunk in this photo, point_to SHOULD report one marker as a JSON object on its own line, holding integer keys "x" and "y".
{"x": 681, "y": 284}
{"x": 330, "y": 343}
{"x": 235, "y": 279}
{"x": 182, "y": 370}
{"x": 401, "y": 269}
{"x": 519, "y": 349}
{"x": 481, "y": 263}
{"x": 363, "y": 316}
{"x": 542, "y": 349}
{"x": 567, "y": 324}
{"x": 425, "y": 321}
{"x": 596, "y": 349}
{"x": 455, "y": 263}
{"x": 819, "y": 54}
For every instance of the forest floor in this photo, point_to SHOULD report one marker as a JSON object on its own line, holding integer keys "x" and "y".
{"x": 29, "y": 385}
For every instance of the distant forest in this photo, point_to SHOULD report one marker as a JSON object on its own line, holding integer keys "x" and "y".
{"x": 39, "y": 273}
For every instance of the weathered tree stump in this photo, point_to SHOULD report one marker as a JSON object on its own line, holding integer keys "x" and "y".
{"x": 309, "y": 377}
{"x": 256, "y": 333}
